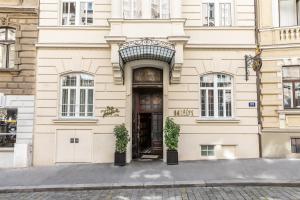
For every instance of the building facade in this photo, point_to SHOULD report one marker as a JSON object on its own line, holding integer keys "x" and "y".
{"x": 18, "y": 35}
{"x": 101, "y": 63}
{"x": 280, "y": 77}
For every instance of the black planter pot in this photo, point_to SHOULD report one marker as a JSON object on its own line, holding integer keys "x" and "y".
{"x": 172, "y": 157}
{"x": 120, "y": 159}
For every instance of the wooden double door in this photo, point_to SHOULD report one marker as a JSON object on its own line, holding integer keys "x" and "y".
{"x": 147, "y": 122}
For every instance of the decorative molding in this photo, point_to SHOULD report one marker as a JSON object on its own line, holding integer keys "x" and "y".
{"x": 75, "y": 120}
{"x": 147, "y": 42}
{"x": 203, "y": 120}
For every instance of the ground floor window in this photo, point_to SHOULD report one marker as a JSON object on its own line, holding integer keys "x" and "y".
{"x": 8, "y": 127}
{"x": 216, "y": 96}
{"x": 291, "y": 86}
{"x": 295, "y": 145}
{"x": 207, "y": 150}
{"x": 77, "y": 95}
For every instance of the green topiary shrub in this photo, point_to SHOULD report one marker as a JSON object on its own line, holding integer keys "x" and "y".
{"x": 122, "y": 138}
{"x": 171, "y": 131}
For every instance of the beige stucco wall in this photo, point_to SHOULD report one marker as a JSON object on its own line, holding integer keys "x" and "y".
{"x": 53, "y": 62}
{"x": 92, "y": 49}
{"x": 280, "y": 47}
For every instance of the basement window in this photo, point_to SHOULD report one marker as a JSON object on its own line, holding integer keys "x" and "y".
{"x": 207, "y": 150}
{"x": 295, "y": 145}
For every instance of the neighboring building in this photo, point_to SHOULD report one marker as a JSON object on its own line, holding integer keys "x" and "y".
{"x": 18, "y": 35}
{"x": 103, "y": 63}
{"x": 279, "y": 24}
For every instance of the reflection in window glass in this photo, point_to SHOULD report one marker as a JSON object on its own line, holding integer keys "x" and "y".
{"x": 2, "y": 56}
{"x": 208, "y": 12}
{"x": 288, "y": 94}
{"x": 2, "y": 34}
{"x": 7, "y": 47}
{"x": 8, "y": 127}
{"x": 86, "y": 13}
{"x": 77, "y": 12}
{"x": 225, "y": 14}
{"x": 288, "y": 12}
{"x": 216, "y": 95}
{"x": 295, "y": 142}
{"x": 77, "y": 95}
{"x": 132, "y": 9}
{"x": 291, "y": 86}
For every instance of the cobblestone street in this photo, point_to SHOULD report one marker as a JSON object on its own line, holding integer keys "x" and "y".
{"x": 186, "y": 193}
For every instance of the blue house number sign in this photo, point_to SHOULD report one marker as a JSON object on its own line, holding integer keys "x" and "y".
{"x": 252, "y": 104}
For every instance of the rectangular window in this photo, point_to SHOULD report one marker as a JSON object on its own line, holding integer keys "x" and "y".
{"x": 216, "y": 96}
{"x": 8, "y": 127}
{"x": 160, "y": 9}
{"x": 69, "y": 13}
{"x": 132, "y": 9}
{"x": 77, "y": 12}
{"x": 86, "y": 13}
{"x": 217, "y": 13}
{"x": 77, "y": 98}
{"x": 295, "y": 145}
{"x": 208, "y": 10}
{"x": 207, "y": 150}
{"x": 7, "y": 47}
{"x": 288, "y": 12}
{"x": 291, "y": 87}
{"x": 225, "y": 14}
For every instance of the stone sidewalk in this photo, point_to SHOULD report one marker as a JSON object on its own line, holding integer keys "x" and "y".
{"x": 252, "y": 172}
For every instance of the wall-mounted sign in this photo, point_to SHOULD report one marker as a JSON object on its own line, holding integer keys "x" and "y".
{"x": 252, "y": 104}
{"x": 110, "y": 111}
{"x": 183, "y": 113}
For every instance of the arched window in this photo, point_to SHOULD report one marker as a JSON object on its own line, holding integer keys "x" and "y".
{"x": 216, "y": 96}
{"x": 7, "y": 47}
{"x": 77, "y": 95}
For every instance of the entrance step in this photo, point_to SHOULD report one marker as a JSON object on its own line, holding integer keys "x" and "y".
{"x": 149, "y": 156}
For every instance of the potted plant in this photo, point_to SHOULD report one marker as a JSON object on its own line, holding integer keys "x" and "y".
{"x": 122, "y": 139}
{"x": 171, "y": 131}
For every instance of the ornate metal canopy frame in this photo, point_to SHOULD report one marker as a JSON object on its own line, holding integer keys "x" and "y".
{"x": 147, "y": 49}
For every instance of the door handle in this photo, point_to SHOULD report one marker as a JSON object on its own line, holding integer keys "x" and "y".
{"x": 71, "y": 140}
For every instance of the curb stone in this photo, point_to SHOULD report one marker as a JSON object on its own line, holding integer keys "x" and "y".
{"x": 208, "y": 183}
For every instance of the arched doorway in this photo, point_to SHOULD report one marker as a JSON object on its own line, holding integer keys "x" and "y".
{"x": 147, "y": 113}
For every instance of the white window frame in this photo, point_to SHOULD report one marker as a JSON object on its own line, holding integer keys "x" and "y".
{"x": 6, "y": 44}
{"x": 207, "y": 150}
{"x": 77, "y": 95}
{"x": 215, "y": 89}
{"x": 77, "y": 12}
{"x": 161, "y": 9}
{"x": 277, "y": 14}
{"x": 132, "y": 16}
{"x": 146, "y": 12}
{"x": 217, "y": 11}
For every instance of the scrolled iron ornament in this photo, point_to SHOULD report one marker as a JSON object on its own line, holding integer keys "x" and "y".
{"x": 147, "y": 42}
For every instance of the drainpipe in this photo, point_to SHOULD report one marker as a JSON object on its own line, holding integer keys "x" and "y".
{"x": 258, "y": 76}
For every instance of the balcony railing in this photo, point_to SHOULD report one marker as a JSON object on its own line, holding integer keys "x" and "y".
{"x": 286, "y": 35}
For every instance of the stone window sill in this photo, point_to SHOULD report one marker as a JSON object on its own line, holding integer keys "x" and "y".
{"x": 207, "y": 120}
{"x": 6, "y": 149}
{"x": 75, "y": 120}
{"x": 289, "y": 111}
{"x": 13, "y": 71}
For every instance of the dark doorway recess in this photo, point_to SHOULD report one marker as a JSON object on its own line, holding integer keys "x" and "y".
{"x": 147, "y": 119}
